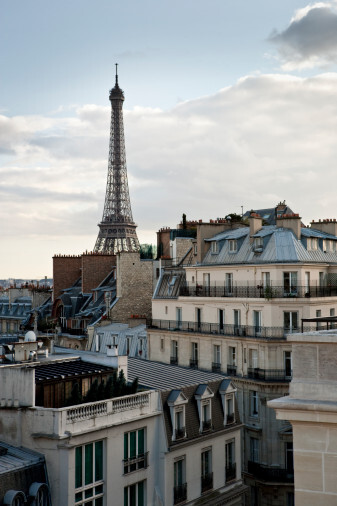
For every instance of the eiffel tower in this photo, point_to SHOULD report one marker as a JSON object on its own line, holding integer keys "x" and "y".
{"x": 117, "y": 230}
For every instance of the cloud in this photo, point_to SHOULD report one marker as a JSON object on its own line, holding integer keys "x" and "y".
{"x": 266, "y": 138}
{"x": 310, "y": 40}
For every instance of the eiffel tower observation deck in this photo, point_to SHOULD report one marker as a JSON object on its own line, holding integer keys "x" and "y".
{"x": 117, "y": 230}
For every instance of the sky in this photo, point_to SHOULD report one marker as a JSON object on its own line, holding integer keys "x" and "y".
{"x": 229, "y": 104}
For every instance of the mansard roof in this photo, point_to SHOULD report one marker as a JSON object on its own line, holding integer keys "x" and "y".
{"x": 280, "y": 245}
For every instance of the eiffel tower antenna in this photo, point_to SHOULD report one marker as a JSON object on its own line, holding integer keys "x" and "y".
{"x": 117, "y": 230}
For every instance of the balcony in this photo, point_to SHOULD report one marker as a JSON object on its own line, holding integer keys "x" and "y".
{"x": 231, "y": 370}
{"x": 216, "y": 367}
{"x": 270, "y": 474}
{"x": 230, "y": 472}
{"x": 206, "y": 482}
{"x": 180, "y": 433}
{"x": 268, "y": 333}
{"x": 194, "y": 363}
{"x": 135, "y": 463}
{"x": 258, "y": 291}
{"x": 230, "y": 418}
{"x": 269, "y": 374}
{"x": 206, "y": 425}
{"x": 174, "y": 360}
{"x": 180, "y": 493}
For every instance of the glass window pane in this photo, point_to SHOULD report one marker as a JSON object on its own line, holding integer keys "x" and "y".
{"x": 126, "y": 445}
{"x": 141, "y": 493}
{"x": 126, "y": 496}
{"x": 133, "y": 495}
{"x": 78, "y": 467}
{"x": 99, "y": 460}
{"x": 133, "y": 444}
{"x": 88, "y": 451}
{"x": 140, "y": 441}
{"x": 99, "y": 501}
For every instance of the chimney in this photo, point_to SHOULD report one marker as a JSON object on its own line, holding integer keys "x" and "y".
{"x": 291, "y": 221}
{"x": 255, "y": 224}
{"x": 327, "y": 226}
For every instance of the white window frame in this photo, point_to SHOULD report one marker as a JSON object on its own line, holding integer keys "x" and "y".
{"x": 232, "y": 245}
{"x": 253, "y": 403}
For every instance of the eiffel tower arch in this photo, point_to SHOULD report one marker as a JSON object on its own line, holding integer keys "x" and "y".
{"x": 117, "y": 230}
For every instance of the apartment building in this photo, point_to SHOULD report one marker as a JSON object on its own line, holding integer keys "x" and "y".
{"x": 231, "y": 313}
{"x": 176, "y": 441}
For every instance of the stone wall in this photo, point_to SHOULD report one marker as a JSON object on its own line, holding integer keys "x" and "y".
{"x": 95, "y": 268}
{"x": 134, "y": 287}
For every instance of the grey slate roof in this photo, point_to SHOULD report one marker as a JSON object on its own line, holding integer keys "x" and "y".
{"x": 280, "y": 245}
{"x": 17, "y": 458}
{"x": 166, "y": 376}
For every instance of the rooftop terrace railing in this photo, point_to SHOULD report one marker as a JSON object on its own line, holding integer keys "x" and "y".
{"x": 257, "y": 291}
{"x": 227, "y": 329}
{"x": 268, "y": 474}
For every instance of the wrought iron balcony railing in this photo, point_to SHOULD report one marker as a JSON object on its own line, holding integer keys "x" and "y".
{"x": 230, "y": 472}
{"x": 206, "y": 482}
{"x": 194, "y": 363}
{"x": 258, "y": 291}
{"x": 231, "y": 370}
{"x": 268, "y": 333}
{"x": 216, "y": 367}
{"x": 206, "y": 425}
{"x": 180, "y": 433}
{"x": 270, "y": 474}
{"x": 269, "y": 374}
{"x": 180, "y": 493}
{"x": 174, "y": 360}
{"x": 135, "y": 463}
{"x": 230, "y": 418}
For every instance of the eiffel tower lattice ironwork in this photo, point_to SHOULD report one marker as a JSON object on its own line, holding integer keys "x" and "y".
{"x": 117, "y": 230}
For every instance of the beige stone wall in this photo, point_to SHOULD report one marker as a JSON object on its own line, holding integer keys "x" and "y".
{"x": 134, "y": 287}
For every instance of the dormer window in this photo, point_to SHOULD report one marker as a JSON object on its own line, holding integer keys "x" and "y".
{"x": 258, "y": 244}
{"x": 177, "y": 404}
{"x": 214, "y": 247}
{"x": 313, "y": 243}
{"x": 204, "y": 397}
{"x": 233, "y": 245}
{"x": 227, "y": 391}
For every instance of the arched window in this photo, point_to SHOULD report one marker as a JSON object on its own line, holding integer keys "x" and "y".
{"x": 14, "y": 498}
{"x": 39, "y": 494}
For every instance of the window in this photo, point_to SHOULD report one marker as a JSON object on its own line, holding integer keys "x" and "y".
{"x": 198, "y": 317}
{"x": 162, "y": 345}
{"x": 254, "y": 403}
{"x": 216, "y": 365}
{"x": 206, "y": 470}
{"x": 233, "y": 246}
{"x": 135, "y": 456}
{"x": 307, "y": 283}
{"x": 179, "y": 415}
{"x": 230, "y": 415}
{"x": 229, "y": 283}
{"x": 287, "y": 364}
{"x": 290, "y": 283}
{"x": 128, "y": 345}
{"x": 134, "y": 495}
{"x": 195, "y": 249}
{"x": 180, "y": 486}
{"x": 194, "y": 355}
{"x": 257, "y": 318}
{"x": 39, "y": 494}
{"x": 206, "y": 415}
{"x": 174, "y": 351}
{"x": 89, "y": 474}
{"x": 321, "y": 278}
{"x": 313, "y": 243}
{"x": 237, "y": 320}
{"x": 289, "y": 457}
{"x": 266, "y": 279}
{"x": 176, "y": 402}
{"x": 221, "y": 315}
{"x": 214, "y": 247}
{"x": 254, "y": 449}
{"x": 290, "y": 321}
{"x": 318, "y": 315}
{"x": 258, "y": 243}
{"x": 230, "y": 461}
{"x": 232, "y": 355}
{"x": 332, "y": 311}
{"x": 166, "y": 309}
{"x": 253, "y": 359}
{"x": 178, "y": 317}
{"x": 206, "y": 279}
